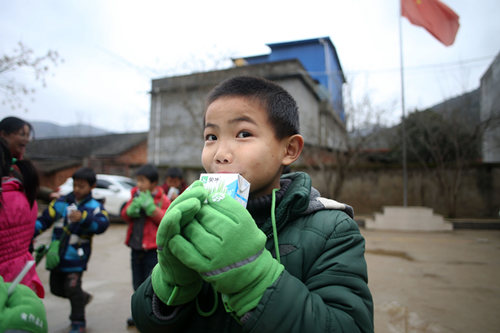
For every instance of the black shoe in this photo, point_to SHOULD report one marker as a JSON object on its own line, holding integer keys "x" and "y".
{"x": 88, "y": 299}
{"x": 130, "y": 322}
{"x": 77, "y": 327}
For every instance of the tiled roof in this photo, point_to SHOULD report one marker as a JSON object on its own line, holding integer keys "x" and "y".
{"x": 80, "y": 147}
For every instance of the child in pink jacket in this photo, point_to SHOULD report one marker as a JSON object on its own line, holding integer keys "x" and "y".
{"x": 18, "y": 213}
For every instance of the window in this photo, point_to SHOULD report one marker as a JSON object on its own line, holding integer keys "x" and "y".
{"x": 101, "y": 183}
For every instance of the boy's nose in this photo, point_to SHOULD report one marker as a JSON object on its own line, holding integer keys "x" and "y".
{"x": 223, "y": 155}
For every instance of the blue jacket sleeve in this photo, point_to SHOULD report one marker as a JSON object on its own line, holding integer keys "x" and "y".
{"x": 95, "y": 219}
{"x": 53, "y": 212}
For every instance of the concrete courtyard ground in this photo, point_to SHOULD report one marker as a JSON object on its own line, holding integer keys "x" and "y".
{"x": 420, "y": 281}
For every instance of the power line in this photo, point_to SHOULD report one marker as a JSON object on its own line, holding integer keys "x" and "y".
{"x": 443, "y": 65}
{"x": 150, "y": 72}
{"x": 144, "y": 70}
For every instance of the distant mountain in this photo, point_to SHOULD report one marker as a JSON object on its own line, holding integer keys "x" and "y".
{"x": 44, "y": 130}
{"x": 466, "y": 107}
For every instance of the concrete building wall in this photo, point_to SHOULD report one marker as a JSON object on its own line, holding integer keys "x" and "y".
{"x": 319, "y": 124}
{"x": 308, "y": 109}
{"x": 330, "y": 131}
{"x": 177, "y": 106}
{"x": 490, "y": 111}
{"x": 176, "y": 130}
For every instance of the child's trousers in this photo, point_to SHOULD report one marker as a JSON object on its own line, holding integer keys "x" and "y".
{"x": 142, "y": 262}
{"x": 69, "y": 285}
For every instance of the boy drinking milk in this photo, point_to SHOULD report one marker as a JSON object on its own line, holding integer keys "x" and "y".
{"x": 291, "y": 262}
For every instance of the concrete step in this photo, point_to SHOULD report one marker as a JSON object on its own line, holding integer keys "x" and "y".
{"x": 414, "y": 218}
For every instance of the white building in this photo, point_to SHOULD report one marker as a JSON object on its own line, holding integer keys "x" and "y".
{"x": 490, "y": 111}
{"x": 177, "y": 106}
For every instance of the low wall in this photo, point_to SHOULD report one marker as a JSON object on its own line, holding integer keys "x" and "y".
{"x": 368, "y": 190}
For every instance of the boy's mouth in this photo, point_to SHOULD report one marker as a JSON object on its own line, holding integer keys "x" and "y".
{"x": 218, "y": 171}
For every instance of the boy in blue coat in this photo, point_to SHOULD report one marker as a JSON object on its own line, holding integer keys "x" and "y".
{"x": 76, "y": 218}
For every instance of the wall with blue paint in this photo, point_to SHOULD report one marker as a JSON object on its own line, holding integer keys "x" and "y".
{"x": 319, "y": 58}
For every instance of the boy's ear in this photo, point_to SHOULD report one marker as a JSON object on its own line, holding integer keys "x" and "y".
{"x": 293, "y": 149}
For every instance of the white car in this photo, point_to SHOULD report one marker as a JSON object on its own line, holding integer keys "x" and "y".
{"x": 112, "y": 190}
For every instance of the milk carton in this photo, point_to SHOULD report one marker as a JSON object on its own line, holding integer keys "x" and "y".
{"x": 233, "y": 184}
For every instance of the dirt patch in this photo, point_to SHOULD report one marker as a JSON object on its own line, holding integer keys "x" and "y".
{"x": 456, "y": 262}
{"x": 444, "y": 282}
{"x": 391, "y": 253}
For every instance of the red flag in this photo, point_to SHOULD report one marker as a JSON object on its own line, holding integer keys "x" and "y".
{"x": 433, "y": 15}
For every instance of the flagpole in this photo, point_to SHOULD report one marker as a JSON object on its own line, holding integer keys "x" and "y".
{"x": 403, "y": 117}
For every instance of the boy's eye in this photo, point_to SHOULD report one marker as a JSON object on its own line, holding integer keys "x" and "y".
{"x": 243, "y": 134}
{"x": 210, "y": 137}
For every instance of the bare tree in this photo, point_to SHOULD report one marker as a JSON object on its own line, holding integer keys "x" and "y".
{"x": 23, "y": 59}
{"x": 445, "y": 142}
{"x": 363, "y": 121}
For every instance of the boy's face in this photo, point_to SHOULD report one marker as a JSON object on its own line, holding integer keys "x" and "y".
{"x": 81, "y": 188}
{"x": 173, "y": 181}
{"x": 240, "y": 139}
{"x": 144, "y": 184}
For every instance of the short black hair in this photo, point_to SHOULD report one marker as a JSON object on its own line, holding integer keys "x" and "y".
{"x": 174, "y": 173}
{"x": 24, "y": 171}
{"x": 5, "y": 158}
{"x": 86, "y": 174}
{"x": 30, "y": 179}
{"x": 281, "y": 108}
{"x": 10, "y": 125}
{"x": 149, "y": 171}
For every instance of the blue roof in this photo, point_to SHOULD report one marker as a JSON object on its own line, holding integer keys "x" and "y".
{"x": 318, "y": 56}
{"x": 302, "y": 42}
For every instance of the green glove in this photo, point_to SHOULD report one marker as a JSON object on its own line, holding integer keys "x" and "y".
{"x": 227, "y": 248}
{"x": 22, "y": 310}
{"x": 147, "y": 203}
{"x": 52, "y": 258}
{"x": 134, "y": 209}
{"x": 172, "y": 281}
{"x": 141, "y": 196}
{"x": 40, "y": 252}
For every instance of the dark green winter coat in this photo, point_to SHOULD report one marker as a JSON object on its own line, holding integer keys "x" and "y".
{"x": 323, "y": 288}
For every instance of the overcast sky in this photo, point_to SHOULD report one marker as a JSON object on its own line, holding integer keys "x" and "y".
{"x": 112, "y": 49}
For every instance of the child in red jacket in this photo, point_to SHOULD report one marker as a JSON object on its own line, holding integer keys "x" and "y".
{"x": 174, "y": 183}
{"x": 143, "y": 213}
